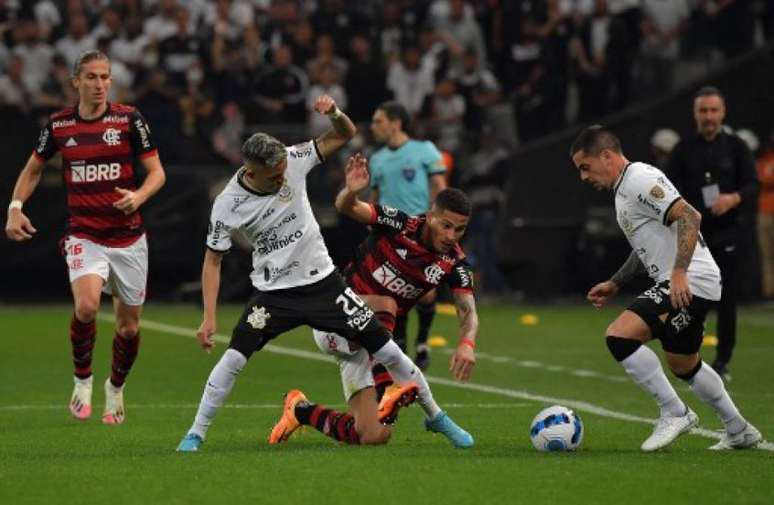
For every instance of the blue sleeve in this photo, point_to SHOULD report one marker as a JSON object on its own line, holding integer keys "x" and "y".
{"x": 432, "y": 160}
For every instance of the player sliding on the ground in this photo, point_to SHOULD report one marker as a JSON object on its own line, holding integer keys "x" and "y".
{"x": 663, "y": 230}
{"x": 104, "y": 245}
{"x": 293, "y": 275}
{"x": 403, "y": 258}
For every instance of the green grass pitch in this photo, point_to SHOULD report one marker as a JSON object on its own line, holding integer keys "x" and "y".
{"x": 47, "y": 457}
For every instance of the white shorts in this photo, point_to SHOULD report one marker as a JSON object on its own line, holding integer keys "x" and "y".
{"x": 354, "y": 361}
{"x": 124, "y": 269}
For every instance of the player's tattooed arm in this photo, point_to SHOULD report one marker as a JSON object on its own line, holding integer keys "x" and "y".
{"x": 466, "y": 313}
{"x": 631, "y": 268}
{"x": 688, "y": 225}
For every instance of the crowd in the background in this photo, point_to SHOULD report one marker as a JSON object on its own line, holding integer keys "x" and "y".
{"x": 204, "y": 70}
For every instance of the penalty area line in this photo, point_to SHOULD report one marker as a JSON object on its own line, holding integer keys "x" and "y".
{"x": 578, "y": 405}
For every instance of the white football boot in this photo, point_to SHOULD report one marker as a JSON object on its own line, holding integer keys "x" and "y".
{"x": 80, "y": 402}
{"x": 114, "y": 404}
{"x": 668, "y": 429}
{"x": 748, "y": 438}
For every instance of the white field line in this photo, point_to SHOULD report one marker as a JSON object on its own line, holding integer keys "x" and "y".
{"x": 578, "y": 405}
{"x": 253, "y": 406}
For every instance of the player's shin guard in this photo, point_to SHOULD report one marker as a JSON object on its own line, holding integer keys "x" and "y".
{"x": 709, "y": 387}
{"x": 426, "y": 314}
{"x": 331, "y": 423}
{"x": 217, "y": 389}
{"x": 82, "y": 338}
{"x": 643, "y": 366}
{"x": 124, "y": 353}
{"x": 404, "y": 371}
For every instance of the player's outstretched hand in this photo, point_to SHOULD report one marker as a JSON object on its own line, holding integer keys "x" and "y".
{"x": 679, "y": 291}
{"x": 129, "y": 201}
{"x": 601, "y": 293}
{"x": 357, "y": 173}
{"x": 324, "y": 104}
{"x": 462, "y": 362}
{"x": 205, "y": 334}
{"x": 18, "y": 227}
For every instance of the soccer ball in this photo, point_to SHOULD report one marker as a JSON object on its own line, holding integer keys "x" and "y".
{"x": 556, "y": 428}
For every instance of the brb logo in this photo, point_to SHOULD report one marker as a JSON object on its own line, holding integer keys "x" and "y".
{"x": 388, "y": 277}
{"x": 81, "y": 172}
{"x": 112, "y": 137}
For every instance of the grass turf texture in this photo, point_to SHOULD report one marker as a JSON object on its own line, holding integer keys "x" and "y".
{"x": 48, "y": 457}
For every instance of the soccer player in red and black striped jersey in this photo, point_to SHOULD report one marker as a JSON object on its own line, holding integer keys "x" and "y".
{"x": 403, "y": 258}
{"x": 102, "y": 144}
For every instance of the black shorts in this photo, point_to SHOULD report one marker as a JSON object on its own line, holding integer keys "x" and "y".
{"x": 683, "y": 330}
{"x": 327, "y": 305}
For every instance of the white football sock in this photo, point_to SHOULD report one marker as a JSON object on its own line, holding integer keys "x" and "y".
{"x": 403, "y": 371}
{"x": 645, "y": 369}
{"x": 219, "y": 385}
{"x": 709, "y": 387}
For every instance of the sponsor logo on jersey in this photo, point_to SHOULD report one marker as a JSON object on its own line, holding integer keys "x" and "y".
{"x": 465, "y": 279}
{"x": 270, "y": 233}
{"x": 276, "y": 243}
{"x": 62, "y": 123}
{"x": 388, "y": 221}
{"x": 434, "y": 273}
{"x": 43, "y": 140}
{"x": 268, "y": 213}
{"x": 657, "y": 192}
{"x": 238, "y": 201}
{"x": 112, "y": 137}
{"x": 115, "y": 119}
{"x": 275, "y": 273}
{"x": 214, "y": 230}
{"x": 258, "y": 317}
{"x": 647, "y": 203}
{"x": 144, "y": 131}
{"x": 285, "y": 193}
{"x": 388, "y": 276}
{"x": 390, "y": 211}
{"x": 300, "y": 151}
{"x": 71, "y": 142}
{"x": 81, "y": 172}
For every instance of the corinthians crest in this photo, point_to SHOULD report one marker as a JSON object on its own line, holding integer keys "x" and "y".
{"x": 257, "y": 319}
{"x": 285, "y": 193}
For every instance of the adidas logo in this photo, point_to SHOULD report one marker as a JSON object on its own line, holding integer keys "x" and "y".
{"x": 402, "y": 253}
{"x": 71, "y": 142}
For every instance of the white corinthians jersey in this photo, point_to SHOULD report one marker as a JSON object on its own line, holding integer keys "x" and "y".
{"x": 643, "y": 198}
{"x": 288, "y": 249}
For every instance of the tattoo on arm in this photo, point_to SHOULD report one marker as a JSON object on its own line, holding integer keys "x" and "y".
{"x": 631, "y": 268}
{"x": 466, "y": 314}
{"x": 688, "y": 222}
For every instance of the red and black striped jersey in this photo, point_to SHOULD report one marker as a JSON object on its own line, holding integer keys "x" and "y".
{"x": 394, "y": 262}
{"x": 99, "y": 155}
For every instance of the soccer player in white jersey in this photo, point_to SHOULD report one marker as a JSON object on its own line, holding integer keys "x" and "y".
{"x": 663, "y": 230}
{"x": 294, "y": 278}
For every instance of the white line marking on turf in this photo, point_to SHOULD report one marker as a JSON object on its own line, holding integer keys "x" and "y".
{"x": 511, "y": 393}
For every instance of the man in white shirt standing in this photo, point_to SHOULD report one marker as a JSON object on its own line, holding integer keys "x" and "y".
{"x": 663, "y": 230}
{"x": 294, "y": 278}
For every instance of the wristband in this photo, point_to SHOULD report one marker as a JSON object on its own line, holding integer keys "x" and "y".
{"x": 335, "y": 114}
{"x": 15, "y": 204}
{"x": 468, "y": 341}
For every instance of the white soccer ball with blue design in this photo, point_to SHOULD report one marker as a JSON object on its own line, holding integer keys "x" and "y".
{"x": 556, "y": 428}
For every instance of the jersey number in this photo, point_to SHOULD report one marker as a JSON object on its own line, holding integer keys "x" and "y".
{"x": 347, "y": 299}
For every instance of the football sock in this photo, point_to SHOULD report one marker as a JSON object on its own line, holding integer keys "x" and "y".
{"x": 404, "y": 371}
{"x": 426, "y": 313}
{"x": 124, "y": 354}
{"x": 382, "y": 380}
{"x": 82, "y": 338}
{"x": 331, "y": 423}
{"x": 219, "y": 385}
{"x": 399, "y": 333}
{"x": 709, "y": 387}
{"x": 644, "y": 367}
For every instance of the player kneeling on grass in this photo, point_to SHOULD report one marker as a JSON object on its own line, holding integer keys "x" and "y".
{"x": 403, "y": 258}
{"x": 663, "y": 230}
